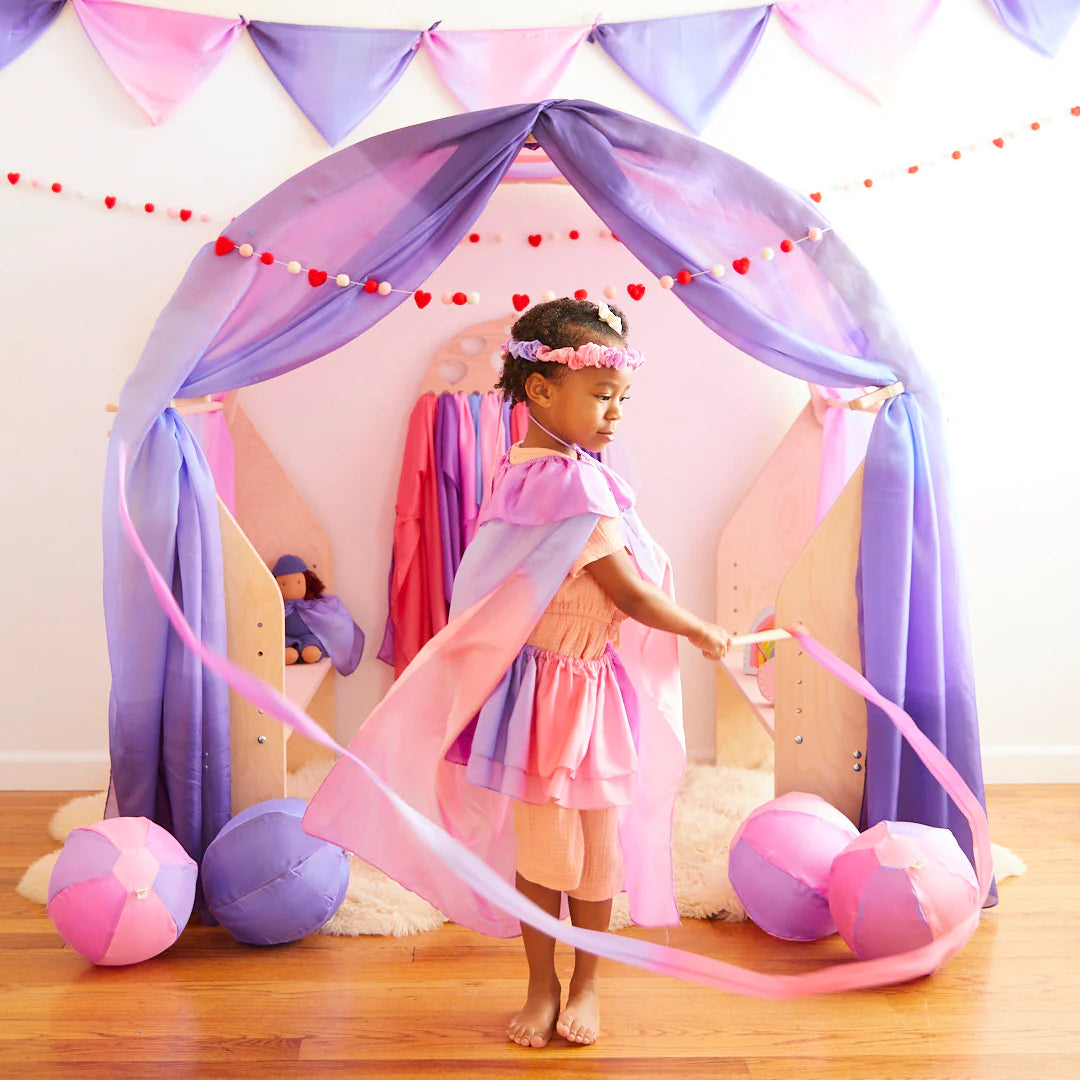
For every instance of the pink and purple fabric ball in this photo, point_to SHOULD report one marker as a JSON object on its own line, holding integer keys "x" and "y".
{"x": 900, "y": 886}
{"x": 121, "y": 891}
{"x": 780, "y": 860}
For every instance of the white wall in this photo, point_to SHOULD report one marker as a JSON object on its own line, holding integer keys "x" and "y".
{"x": 977, "y": 257}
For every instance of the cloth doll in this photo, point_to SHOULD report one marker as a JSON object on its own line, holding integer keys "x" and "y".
{"x": 316, "y": 624}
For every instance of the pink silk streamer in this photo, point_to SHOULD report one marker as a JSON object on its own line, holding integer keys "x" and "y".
{"x": 472, "y": 870}
{"x": 485, "y": 68}
{"x": 159, "y": 56}
{"x": 212, "y": 431}
{"x": 864, "y": 43}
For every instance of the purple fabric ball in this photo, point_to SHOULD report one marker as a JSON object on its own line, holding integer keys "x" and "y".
{"x": 267, "y": 881}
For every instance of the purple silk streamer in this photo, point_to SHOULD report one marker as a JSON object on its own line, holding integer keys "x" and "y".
{"x": 686, "y": 62}
{"x": 1041, "y": 24}
{"x": 461, "y": 862}
{"x": 335, "y": 74}
{"x": 407, "y": 198}
{"x": 448, "y": 481}
{"x": 864, "y": 43}
{"x": 22, "y": 22}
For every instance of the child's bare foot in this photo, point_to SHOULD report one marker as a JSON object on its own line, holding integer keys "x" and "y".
{"x": 579, "y": 1022}
{"x": 535, "y": 1023}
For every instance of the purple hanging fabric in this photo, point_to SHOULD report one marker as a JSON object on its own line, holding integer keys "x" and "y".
{"x": 392, "y": 208}
{"x": 335, "y": 74}
{"x": 1041, "y": 24}
{"x": 448, "y": 473}
{"x": 22, "y": 22}
{"x": 685, "y": 62}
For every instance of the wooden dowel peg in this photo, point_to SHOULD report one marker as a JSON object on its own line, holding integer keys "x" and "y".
{"x": 761, "y": 635}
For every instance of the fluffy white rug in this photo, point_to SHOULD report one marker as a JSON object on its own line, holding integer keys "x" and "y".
{"x": 714, "y": 799}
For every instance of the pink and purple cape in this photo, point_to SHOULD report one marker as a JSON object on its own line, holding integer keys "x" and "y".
{"x": 536, "y": 523}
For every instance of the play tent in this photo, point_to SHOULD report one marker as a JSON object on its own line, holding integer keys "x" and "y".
{"x": 392, "y": 208}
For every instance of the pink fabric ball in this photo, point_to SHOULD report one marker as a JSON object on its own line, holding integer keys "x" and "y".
{"x": 899, "y": 886}
{"x": 121, "y": 891}
{"x": 780, "y": 860}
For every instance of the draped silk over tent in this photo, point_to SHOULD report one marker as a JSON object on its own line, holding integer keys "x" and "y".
{"x": 392, "y": 208}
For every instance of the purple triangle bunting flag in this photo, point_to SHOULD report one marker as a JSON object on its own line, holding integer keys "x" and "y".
{"x": 687, "y": 62}
{"x": 485, "y": 68}
{"x": 22, "y": 22}
{"x": 336, "y": 75}
{"x": 1041, "y": 24}
{"x": 159, "y": 56}
{"x": 861, "y": 42}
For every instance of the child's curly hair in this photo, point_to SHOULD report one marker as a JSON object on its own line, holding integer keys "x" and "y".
{"x": 559, "y": 324}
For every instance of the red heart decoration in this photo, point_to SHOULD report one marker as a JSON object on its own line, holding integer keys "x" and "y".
{"x": 741, "y": 266}
{"x": 999, "y": 143}
{"x": 316, "y": 277}
{"x": 185, "y": 215}
{"x": 636, "y": 291}
{"x": 581, "y": 294}
{"x": 13, "y": 177}
{"x": 535, "y": 239}
{"x": 223, "y": 246}
{"x": 521, "y": 301}
{"x": 816, "y": 196}
{"x": 1075, "y": 110}
{"x": 422, "y": 298}
{"x": 110, "y": 201}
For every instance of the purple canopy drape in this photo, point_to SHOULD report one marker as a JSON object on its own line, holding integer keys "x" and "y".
{"x": 407, "y": 198}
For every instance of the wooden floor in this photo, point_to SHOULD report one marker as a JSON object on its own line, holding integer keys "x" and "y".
{"x": 435, "y": 1005}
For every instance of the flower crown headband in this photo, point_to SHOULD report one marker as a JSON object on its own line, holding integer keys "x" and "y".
{"x": 588, "y": 355}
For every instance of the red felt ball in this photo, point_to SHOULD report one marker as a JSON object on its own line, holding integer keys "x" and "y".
{"x": 581, "y": 294}
{"x": 371, "y": 285}
{"x": 58, "y": 188}
{"x": 574, "y": 234}
{"x": 460, "y": 298}
{"x": 474, "y": 238}
{"x": 148, "y": 207}
{"x": 266, "y": 258}
{"x": 786, "y": 246}
{"x": 684, "y": 277}
{"x": 1075, "y": 110}
{"x": 1035, "y": 125}
{"x": 956, "y": 155}
{"x": 868, "y": 183}
{"x": 913, "y": 169}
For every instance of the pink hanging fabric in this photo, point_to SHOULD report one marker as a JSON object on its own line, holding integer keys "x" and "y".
{"x": 212, "y": 431}
{"x": 470, "y": 508}
{"x": 844, "y": 437}
{"x": 519, "y": 422}
{"x": 492, "y": 441}
{"x": 864, "y": 43}
{"x": 159, "y": 56}
{"x": 485, "y": 68}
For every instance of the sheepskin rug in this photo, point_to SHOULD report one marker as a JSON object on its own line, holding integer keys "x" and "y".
{"x": 713, "y": 801}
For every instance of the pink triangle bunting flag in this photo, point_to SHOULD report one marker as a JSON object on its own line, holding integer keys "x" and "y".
{"x": 861, "y": 42}
{"x": 159, "y": 56}
{"x": 486, "y": 68}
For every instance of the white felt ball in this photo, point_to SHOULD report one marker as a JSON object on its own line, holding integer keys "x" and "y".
{"x": 603, "y": 234}
{"x": 666, "y": 281}
{"x": 814, "y": 234}
{"x": 447, "y": 297}
{"x": 384, "y": 288}
{"x": 498, "y": 238}
{"x": 204, "y": 217}
{"x": 717, "y": 270}
{"x": 246, "y": 251}
{"x": 342, "y": 280}
{"x": 472, "y": 298}
{"x": 172, "y": 212}
{"x": 293, "y": 267}
{"x": 610, "y": 292}
{"x": 546, "y": 295}
{"x": 767, "y": 253}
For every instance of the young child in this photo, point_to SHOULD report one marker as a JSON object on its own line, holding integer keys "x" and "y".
{"x": 519, "y": 729}
{"x": 569, "y": 362}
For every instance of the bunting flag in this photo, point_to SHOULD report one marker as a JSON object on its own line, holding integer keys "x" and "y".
{"x": 861, "y": 42}
{"x": 22, "y": 22}
{"x": 336, "y": 75}
{"x": 686, "y": 63}
{"x": 485, "y": 68}
{"x": 158, "y": 56}
{"x": 1042, "y": 24}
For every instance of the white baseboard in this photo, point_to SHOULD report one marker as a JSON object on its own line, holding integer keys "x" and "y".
{"x": 34, "y": 770}
{"x": 1031, "y": 764}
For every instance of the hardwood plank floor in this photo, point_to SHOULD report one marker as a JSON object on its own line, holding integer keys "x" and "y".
{"x": 435, "y": 1005}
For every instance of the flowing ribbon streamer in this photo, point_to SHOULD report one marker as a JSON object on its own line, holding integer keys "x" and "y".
{"x": 693, "y": 967}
